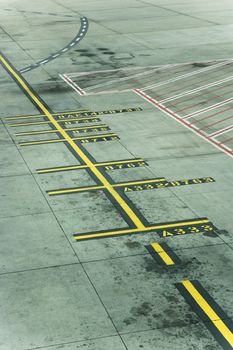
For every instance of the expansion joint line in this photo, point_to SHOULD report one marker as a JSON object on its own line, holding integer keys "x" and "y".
{"x": 87, "y": 161}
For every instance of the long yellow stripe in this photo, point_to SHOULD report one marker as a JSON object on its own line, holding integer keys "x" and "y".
{"x": 42, "y": 115}
{"x": 139, "y": 182}
{"x": 31, "y": 143}
{"x": 213, "y": 316}
{"x": 81, "y": 154}
{"x": 166, "y": 258}
{"x": 90, "y": 119}
{"x": 151, "y": 228}
{"x": 60, "y": 169}
{"x": 83, "y": 189}
{"x": 73, "y": 167}
{"x": 74, "y": 190}
{"x": 53, "y": 131}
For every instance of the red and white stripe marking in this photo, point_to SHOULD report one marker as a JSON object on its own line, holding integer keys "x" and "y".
{"x": 219, "y": 145}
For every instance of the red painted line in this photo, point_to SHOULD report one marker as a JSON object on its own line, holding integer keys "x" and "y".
{"x": 197, "y": 104}
{"x": 200, "y": 79}
{"x": 222, "y": 131}
{"x": 217, "y": 144}
{"x": 216, "y": 113}
{"x": 204, "y": 110}
{"x": 215, "y": 123}
{"x": 200, "y": 93}
{"x": 188, "y": 75}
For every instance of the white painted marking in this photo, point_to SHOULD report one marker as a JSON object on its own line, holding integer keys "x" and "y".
{"x": 42, "y": 62}
{"x": 186, "y": 75}
{"x": 215, "y": 106}
{"x": 221, "y": 132}
{"x": 73, "y": 85}
{"x": 190, "y": 92}
{"x": 175, "y": 116}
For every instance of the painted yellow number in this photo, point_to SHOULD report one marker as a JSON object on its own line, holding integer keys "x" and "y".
{"x": 167, "y": 234}
{"x": 193, "y": 229}
{"x": 207, "y": 228}
{"x": 180, "y": 231}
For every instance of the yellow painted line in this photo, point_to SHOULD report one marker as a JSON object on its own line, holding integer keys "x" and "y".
{"x": 161, "y": 252}
{"x": 64, "y": 140}
{"x": 137, "y": 222}
{"x": 151, "y": 228}
{"x": 162, "y": 179}
{"x": 121, "y": 162}
{"x": 33, "y": 143}
{"x": 49, "y": 122}
{"x": 88, "y": 127}
{"x": 213, "y": 316}
{"x": 90, "y": 188}
{"x": 35, "y": 132}
{"x": 42, "y": 115}
{"x": 75, "y": 190}
{"x": 73, "y": 167}
{"x": 54, "y": 131}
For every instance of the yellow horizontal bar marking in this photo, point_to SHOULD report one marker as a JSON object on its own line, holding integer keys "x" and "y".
{"x": 140, "y": 182}
{"x": 121, "y": 162}
{"x": 151, "y": 228}
{"x": 73, "y": 167}
{"x": 62, "y": 168}
{"x": 54, "y": 131}
{"x": 213, "y": 316}
{"x": 93, "y": 137}
{"x": 64, "y": 140}
{"x": 40, "y": 142}
{"x": 164, "y": 256}
{"x": 35, "y": 132}
{"x": 74, "y": 190}
{"x": 42, "y": 115}
{"x": 87, "y": 127}
{"x": 49, "y": 122}
{"x": 82, "y": 189}
{"x": 30, "y": 123}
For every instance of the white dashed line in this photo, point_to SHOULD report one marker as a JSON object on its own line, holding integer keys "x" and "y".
{"x": 42, "y": 62}
{"x": 83, "y": 30}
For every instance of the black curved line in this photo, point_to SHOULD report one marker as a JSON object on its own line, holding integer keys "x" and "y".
{"x": 81, "y": 34}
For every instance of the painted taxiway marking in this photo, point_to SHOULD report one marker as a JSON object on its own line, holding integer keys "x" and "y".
{"x": 87, "y": 139}
{"x": 214, "y": 318}
{"x": 188, "y": 125}
{"x": 96, "y": 188}
{"x": 114, "y": 165}
{"x": 135, "y": 220}
{"x": 134, "y": 185}
{"x": 200, "y": 225}
{"x": 163, "y": 254}
{"x": 77, "y": 120}
{"x": 83, "y": 113}
{"x": 77, "y": 113}
{"x": 82, "y": 32}
{"x": 95, "y": 128}
{"x": 125, "y": 207}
